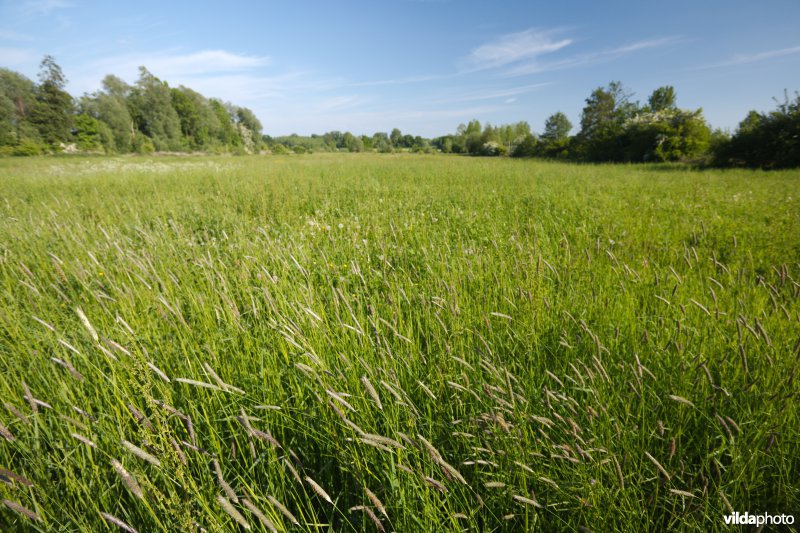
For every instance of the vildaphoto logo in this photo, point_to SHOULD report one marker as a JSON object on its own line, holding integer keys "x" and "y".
{"x": 762, "y": 519}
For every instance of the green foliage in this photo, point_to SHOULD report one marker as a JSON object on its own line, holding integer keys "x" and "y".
{"x": 28, "y": 147}
{"x": 351, "y": 143}
{"x": 528, "y": 147}
{"x": 227, "y": 134}
{"x": 141, "y": 144}
{"x": 112, "y": 111}
{"x": 92, "y": 135}
{"x": 766, "y": 140}
{"x": 53, "y": 108}
{"x": 668, "y": 135}
{"x": 17, "y": 96}
{"x": 556, "y": 128}
{"x": 662, "y": 99}
{"x": 602, "y": 123}
{"x": 150, "y": 105}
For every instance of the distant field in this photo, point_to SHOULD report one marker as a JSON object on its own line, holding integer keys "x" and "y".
{"x": 415, "y": 343}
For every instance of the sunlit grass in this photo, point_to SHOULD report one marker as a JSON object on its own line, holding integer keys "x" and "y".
{"x": 402, "y": 342}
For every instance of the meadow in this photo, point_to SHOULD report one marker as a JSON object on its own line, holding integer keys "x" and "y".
{"x": 395, "y": 342}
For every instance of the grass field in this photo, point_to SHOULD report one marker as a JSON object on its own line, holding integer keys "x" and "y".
{"x": 408, "y": 343}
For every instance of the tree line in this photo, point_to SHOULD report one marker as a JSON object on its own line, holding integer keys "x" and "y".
{"x": 144, "y": 117}
{"x": 616, "y": 129}
{"x": 151, "y": 116}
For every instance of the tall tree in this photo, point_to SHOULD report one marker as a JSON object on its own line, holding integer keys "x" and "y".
{"x": 249, "y": 127}
{"x": 662, "y": 99}
{"x": 17, "y": 97}
{"x": 226, "y": 134}
{"x": 556, "y": 127}
{"x": 395, "y": 137}
{"x": 151, "y": 107}
{"x": 602, "y": 122}
{"x": 53, "y": 109}
{"x": 110, "y": 107}
{"x": 767, "y": 140}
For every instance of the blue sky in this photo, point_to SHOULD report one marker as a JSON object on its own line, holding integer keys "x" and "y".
{"x": 421, "y": 65}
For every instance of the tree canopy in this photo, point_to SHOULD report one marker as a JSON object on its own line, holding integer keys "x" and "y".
{"x": 148, "y": 115}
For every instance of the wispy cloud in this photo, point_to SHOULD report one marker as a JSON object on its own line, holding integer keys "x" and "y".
{"x": 242, "y": 79}
{"x": 591, "y": 58}
{"x": 760, "y": 56}
{"x": 492, "y": 94}
{"x": 170, "y": 63}
{"x": 513, "y": 48}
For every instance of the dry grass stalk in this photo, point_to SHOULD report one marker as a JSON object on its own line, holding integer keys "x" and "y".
{"x": 16, "y": 477}
{"x": 14, "y": 506}
{"x": 436, "y": 484}
{"x": 83, "y": 440}
{"x": 200, "y": 384}
{"x": 427, "y": 390}
{"x": 71, "y": 369}
{"x": 338, "y": 397}
{"x": 680, "y": 399}
{"x": 30, "y": 398}
{"x": 232, "y": 512}
{"x": 528, "y": 501}
{"x": 319, "y": 490}
{"x": 372, "y": 392}
{"x": 376, "y": 502}
{"x": 141, "y": 418}
{"x": 140, "y": 453}
{"x": 87, "y": 324}
{"x": 279, "y": 506}
{"x": 380, "y": 439}
{"x": 222, "y": 385}
{"x": 179, "y": 452}
{"x": 128, "y": 479}
{"x": 222, "y": 483}
{"x": 293, "y": 470}
{"x": 4, "y": 431}
{"x": 117, "y": 522}
{"x": 17, "y": 413}
{"x": 372, "y": 516}
{"x": 619, "y": 472}
{"x": 658, "y": 465}
{"x": 158, "y": 372}
{"x": 261, "y": 516}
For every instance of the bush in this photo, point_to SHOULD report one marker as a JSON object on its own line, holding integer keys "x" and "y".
{"x": 279, "y": 149}
{"x": 526, "y": 148}
{"x": 766, "y": 140}
{"x": 28, "y": 147}
{"x": 143, "y": 145}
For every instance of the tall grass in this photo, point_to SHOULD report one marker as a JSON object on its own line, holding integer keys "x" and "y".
{"x": 394, "y": 342}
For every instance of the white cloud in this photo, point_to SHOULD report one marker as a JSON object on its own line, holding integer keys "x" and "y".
{"x": 168, "y": 64}
{"x": 762, "y": 56}
{"x": 592, "y": 58}
{"x": 215, "y": 73}
{"x": 492, "y": 94}
{"x": 513, "y": 48}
